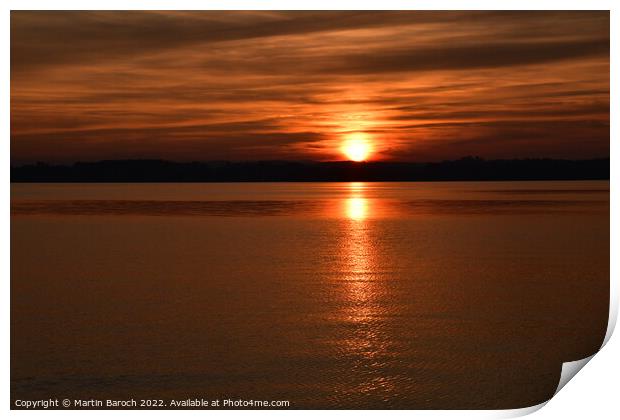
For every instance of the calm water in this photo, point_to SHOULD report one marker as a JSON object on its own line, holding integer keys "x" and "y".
{"x": 329, "y": 295}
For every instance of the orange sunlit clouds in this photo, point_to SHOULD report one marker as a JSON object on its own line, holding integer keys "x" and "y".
{"x": 271, "y": 85}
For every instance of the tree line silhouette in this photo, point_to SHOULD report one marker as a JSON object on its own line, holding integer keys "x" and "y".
{"x": 464, "y": 169}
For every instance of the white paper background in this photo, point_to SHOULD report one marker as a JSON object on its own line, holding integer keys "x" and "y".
{"x": 593, "y": 394}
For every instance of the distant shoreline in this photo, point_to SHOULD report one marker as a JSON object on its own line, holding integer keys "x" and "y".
{"x": 465, "y": 169}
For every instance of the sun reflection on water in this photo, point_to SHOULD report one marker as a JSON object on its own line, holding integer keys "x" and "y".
{"x": 357, "y": 208}
{"x": 358, "y": 253}
{"x": 363, "y": 291}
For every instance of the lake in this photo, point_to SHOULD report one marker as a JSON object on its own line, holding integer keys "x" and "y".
{"x": 329, "y": 295}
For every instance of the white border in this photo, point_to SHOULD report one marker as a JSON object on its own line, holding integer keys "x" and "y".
{"x": 311, "y": 5}
{"x": 594, "y": 394}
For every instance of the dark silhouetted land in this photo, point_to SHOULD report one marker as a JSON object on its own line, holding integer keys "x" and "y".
{"x": 465, "y": 169}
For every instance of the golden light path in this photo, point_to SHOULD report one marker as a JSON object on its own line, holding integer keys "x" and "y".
{"x": 357, "y": 208}
{"x": 359, "y": 252}
{"x": 357, "y": 147}
{"x": 364, "y": 288}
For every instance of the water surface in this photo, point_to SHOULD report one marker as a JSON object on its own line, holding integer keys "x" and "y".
{"x": 330, "y": 295}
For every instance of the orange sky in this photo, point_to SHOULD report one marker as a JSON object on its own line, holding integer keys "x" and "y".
{"x": 420, "y": 86}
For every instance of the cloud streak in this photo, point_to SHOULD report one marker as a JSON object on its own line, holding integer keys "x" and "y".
{"x": 290, "y": 85}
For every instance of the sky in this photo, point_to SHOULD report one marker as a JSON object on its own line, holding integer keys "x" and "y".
{"x": 270, "y": 85}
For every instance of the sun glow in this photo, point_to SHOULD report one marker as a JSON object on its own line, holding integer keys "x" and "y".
{"x": 357, "y": 208}
{"x": 357, "y": 147}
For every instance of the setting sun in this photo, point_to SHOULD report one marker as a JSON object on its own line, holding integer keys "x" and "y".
{"x": 356, "y": 147}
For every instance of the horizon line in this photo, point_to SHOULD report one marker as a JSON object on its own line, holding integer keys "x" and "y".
{"x": 463, "y": 158}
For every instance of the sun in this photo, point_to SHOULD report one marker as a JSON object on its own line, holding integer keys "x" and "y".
{"x": 357, "y": 147}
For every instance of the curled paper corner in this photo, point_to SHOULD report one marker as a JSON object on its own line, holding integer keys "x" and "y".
{"x": 520, "y": 412}
{"x": 613, "y": 313}
{"x": 570, "y": 369}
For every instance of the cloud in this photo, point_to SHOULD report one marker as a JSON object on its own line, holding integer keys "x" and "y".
{"x": 42, "y": 38}
{"x": 238, "y": 85}
{"x": 57, "y": 37}
{"x": 468, "y": 57}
